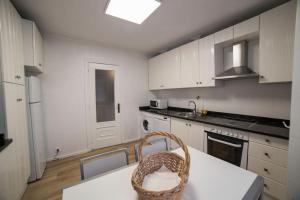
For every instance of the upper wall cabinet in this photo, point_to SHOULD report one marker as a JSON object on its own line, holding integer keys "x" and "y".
{"x": 190, "y": 69}
{"x": 277, "y": 33}
{"x": 207, "y": 61}
{"x": 164, "y": 70}
{"x": 246, "y": 29}
{"x": 11, "y": 44}
{"x": 33, "y": 47}
{"x": 224, "y": 35}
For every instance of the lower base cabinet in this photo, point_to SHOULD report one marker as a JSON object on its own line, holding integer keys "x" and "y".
{"x": 268, "y": 158}
{"x": 191, "y": 133}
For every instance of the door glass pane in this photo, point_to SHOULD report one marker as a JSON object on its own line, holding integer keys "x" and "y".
{"x": 105, "y": 95}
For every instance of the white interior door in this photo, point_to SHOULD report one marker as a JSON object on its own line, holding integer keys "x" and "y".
{"x": 104, "y": 105}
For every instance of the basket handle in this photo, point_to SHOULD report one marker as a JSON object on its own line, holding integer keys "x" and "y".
{"x": 172, "y": 137}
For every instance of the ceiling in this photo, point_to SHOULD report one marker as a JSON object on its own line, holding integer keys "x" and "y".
{"x": 175, "y": 22}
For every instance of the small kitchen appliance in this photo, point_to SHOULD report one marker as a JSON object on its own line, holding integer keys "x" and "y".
{"x": 159, "y": 103}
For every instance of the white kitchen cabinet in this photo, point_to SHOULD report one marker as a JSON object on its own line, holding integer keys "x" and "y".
{"x": 191, "y": 133}
{"x": 155, "y": 75}
{"x": 164, "y": 70}
{"x": 207, "y": 61}
{"x": 16, "y": 123}
{"x": 180, "y": 129}
{"x": 196, "y": 136}
{"x": 276, "y": 47}
{"x": 268, "y": 157}
{"x": 224, "y": 35}
{"x": 11, "y": 44}
{"x": 246, "y": 29}
{"x": 33, "y": 46}
{"x": 8, "y": 174}
{"x": 190, "y": 69}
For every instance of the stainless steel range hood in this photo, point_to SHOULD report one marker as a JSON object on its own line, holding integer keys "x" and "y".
{"x": 239, "y": 69}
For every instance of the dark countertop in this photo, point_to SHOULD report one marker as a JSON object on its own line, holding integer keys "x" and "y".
{"x": 5, "y": 144}
{"x": 260, "y": 125}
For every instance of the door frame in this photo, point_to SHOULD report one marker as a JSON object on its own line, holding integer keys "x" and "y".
{"x": 90, "y": 124}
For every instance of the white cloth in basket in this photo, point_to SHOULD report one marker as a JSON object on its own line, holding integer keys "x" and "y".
{"x": 163, "y": 179}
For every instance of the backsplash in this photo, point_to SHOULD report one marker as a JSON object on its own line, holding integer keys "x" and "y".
{"x": 245, "y": 96}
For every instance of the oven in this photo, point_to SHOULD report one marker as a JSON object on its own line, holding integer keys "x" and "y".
{"x": 228, "y": 145}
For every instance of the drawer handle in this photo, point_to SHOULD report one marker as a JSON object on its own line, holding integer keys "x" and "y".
{"x": 18, "y": 100}
{"x": 268, "y": 155}
{"x": 266, "y": 170}
{"x": 267, "y": 140}
{"x": 190, "y": 125}
{"x": 186, "y": 124}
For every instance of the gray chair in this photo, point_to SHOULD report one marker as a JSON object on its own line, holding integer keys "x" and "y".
{"x": 150, "y": 147}
{"x": 101, "y": 163}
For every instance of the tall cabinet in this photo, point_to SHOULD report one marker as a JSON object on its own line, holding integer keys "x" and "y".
{"x": 14, "y": 170}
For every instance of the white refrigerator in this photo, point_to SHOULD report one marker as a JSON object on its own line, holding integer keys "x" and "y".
{"x": 37, "y": 144}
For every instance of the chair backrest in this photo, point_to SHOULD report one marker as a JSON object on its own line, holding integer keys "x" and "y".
{"x": 101, "y": 163}
{"x": 157, "y": 145}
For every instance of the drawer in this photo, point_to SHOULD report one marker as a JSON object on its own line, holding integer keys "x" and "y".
{"x": 268, "y": 170}
{"x": 275, "y": 189}
{"x": 270, "y": 141}
{"x": 268, "y": 153}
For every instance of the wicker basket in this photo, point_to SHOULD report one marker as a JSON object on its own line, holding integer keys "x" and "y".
{"x": 153, "y": 162}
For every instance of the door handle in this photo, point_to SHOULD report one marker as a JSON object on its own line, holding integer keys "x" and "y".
{"x": 224, "y": 142}
{"x": 118, "y": 107}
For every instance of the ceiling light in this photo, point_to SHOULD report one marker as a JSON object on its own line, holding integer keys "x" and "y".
{"x": 135, "y": 11}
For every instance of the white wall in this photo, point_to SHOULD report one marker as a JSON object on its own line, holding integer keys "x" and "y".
{"x": 243, "y": 96}
{"x": 63, "y": 84}
{"x": 294, "y": 144}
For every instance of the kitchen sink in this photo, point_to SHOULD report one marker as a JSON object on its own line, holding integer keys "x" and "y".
{"x": 188, "y": 115}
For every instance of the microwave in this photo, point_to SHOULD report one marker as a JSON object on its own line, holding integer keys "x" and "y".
{"x": 159, "y": 103}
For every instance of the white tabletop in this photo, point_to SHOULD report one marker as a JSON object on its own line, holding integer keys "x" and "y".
{"x": 210, "y": 179}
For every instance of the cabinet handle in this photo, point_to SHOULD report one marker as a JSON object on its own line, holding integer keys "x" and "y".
{"x": 190, "y": 125}
{"x": 261, "y": 76}
{"x": 40, "y": 64}
{"x": 266, "y": 170}
{"x": 17, "y": 77}
{"x": 267, "y": 140}
{"x": 19, "y": 99}
{"x": 186, "y": 124}
{"x": 266, "y": 154}
{"x": 265, "y": 186}
{"x": 200, "y": 82}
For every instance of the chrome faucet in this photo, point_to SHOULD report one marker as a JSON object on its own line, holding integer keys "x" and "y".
{"x": 195, "y": 107}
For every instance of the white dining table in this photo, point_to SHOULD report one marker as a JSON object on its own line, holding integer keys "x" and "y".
{"x": 210, "y": 179}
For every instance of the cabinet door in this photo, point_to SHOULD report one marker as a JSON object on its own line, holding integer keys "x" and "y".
{"x": 207, "y": 61}
{"x": 180, "y": 129}
{"x": 246, "y": 29}
{"x": 37, "y": 48}
{"x": 155, "y": 75}
{"x": 225, "y": 35}
{"x": 17, "y": 130}
{"x": 189, "y": 56}
{"x": 11, "y": 39}
{"x": 277, "y": 31}
{"x": 196, "y": 136}
{"x": 171, "y": 69}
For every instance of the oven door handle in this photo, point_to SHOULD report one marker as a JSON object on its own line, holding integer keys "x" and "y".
{"x": 224, "y": 142}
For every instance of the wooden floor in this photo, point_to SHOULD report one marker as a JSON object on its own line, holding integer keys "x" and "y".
{"x": 62, "y": 173}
